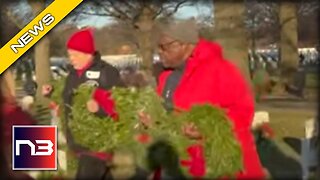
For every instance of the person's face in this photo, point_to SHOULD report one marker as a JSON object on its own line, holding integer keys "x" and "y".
{"x": 79, "y": 59}
{"x": 171, "y": 51}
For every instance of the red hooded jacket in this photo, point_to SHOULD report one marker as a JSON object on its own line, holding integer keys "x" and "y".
{"x": 209, "y": 78}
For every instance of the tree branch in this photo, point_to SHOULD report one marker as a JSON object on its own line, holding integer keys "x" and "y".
{"x": 101, "y": 9}
{"x": 287, "y": 20}
{"x": 308, "y": 7}
{"x": 128, "y": 4}
{"x": 131, "y": 12}
{"x": 14, "y": 20}
{"x": 176, "y": 7}
{"x": 118, "y": 10}
{"x": 95, "y": 13}
{"x": 160, "y": 10}
{"x": 108, "y": 9}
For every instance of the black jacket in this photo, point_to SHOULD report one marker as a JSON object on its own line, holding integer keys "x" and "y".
{"x": 99, "y": 74}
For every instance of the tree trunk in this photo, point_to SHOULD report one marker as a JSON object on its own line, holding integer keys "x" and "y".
{"x": 4, "y": 163}
{"x": 289, "y": 57}
{"x": 7, "y": 76}
{"x": 146, "y": 49}
{"x": 42, "y": 54}
{"x": 145, "y": 26}
{"x": 253, "y": 48}
{"x": 230, "y": 33}
{"x": 42, "y": 63}
{"x": 1, "y": 24}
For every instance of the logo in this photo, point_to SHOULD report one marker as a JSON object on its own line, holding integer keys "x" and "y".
{"x": 35, "y": 30}
{"x": 34, "y": 148}
{"x": 25, "y": 39}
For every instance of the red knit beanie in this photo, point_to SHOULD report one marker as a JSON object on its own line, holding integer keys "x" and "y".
{"x": 82, "y": 41}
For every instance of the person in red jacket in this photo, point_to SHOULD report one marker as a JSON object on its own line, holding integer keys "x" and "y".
{"x": 197, "y": 73}
{"x": 11, "y": 114}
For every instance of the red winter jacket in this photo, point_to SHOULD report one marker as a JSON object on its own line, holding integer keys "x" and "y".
{"x": 12, "y": 115}
{"x": 210, "y": 78}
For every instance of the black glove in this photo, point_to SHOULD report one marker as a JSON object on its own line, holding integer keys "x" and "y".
{"x": 91, "y": 168}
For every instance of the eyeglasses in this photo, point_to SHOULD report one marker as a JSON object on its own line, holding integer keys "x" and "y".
{"x": 165, "y": 46}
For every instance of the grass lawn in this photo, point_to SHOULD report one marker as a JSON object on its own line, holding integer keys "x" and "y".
{"x": 281, "y": 156}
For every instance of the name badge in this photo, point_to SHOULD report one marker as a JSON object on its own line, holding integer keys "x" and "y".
{"x": 93, "y": 74}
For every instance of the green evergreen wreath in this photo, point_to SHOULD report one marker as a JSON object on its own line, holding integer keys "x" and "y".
{"x": 222, "y": 151}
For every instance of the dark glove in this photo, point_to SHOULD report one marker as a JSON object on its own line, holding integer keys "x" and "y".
{"x": 91, "y": 168}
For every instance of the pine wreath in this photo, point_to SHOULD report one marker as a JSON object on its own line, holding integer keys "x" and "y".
{"x": 104, "y": 134}
{"x": 222, "y": 152}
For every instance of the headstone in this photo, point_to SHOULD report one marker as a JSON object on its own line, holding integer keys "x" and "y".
{"x": 26, "y": 103}
{"x": 309, "y": 153}
{"x": 260, "y": 117}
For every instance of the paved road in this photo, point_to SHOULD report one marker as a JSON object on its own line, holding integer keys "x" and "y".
{"x": 289, "y": 102}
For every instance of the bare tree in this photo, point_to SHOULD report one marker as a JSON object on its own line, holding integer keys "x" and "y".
{"x": 4, "y": 163}
{"x": 120, "y": 34}
{"x": 42, "y": 53}
{"x": 230, "y": 32}
{"x": 288, "y": 25}
{"x": 279, "y": 22}
{"x": 205, "y": 23}
{"x": 307, "y": 7}
{"x": 260, "y": 15}
{"x": 1, "y": 26}
{"x": 7, "y": 75}
{"x": 289, "y": 56}
{"x": 262, "y": 18}
{"x": 140, "y": 15}
{"x": 42, "y": 48}
{"x": 8, "y": 30}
